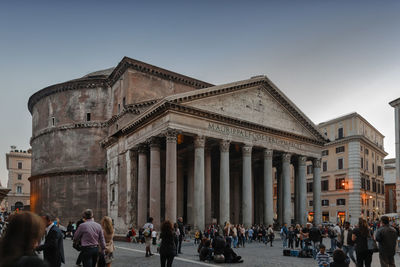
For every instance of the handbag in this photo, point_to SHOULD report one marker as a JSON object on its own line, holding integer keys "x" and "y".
{"x": 77, "y": 245}
{"x": 372, "y": 246}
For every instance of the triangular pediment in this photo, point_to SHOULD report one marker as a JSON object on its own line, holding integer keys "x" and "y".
{"x": 254, "y": 104}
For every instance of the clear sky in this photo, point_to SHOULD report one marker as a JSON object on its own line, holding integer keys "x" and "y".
{"x": 328, "y": 57}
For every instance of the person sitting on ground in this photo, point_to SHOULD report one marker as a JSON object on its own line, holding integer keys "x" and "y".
{"x": 202, "y": 244}
{"x": 231, "y": 256}
{"x": 339, "y": 259}
{"x": 322, "y": 257}
{"x": 206, "y": 252}
{"x": 218, "y": 244}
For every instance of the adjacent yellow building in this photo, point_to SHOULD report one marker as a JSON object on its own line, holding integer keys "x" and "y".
{"x": 352, "y": 166}
{"x": 19, "y": 170}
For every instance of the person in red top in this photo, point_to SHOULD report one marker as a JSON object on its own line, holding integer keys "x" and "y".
{"x": 91, "y": 236}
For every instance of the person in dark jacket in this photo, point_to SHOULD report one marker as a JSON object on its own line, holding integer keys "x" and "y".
{"x": 218, "y": 244}
{"x": 360, "y": 237}
{"x": 386, "y": 235}
{"x": 347, "y": 242}
{"x": 230, "y": 255}
{"x": 206, "y": 251}
{"x": 53, "y": 248}
{"x": 181, "y": 234}
{"x": 22, "y": 235}
{"x": 167, "y": 247}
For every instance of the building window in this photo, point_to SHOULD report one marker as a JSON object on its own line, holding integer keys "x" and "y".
{"x": 379, "y": 187}
{"x": 373, "y": 203}
{"x": 19, "y": 165}
{"x": 325, "y": 202}
{"x": 325, "y": 152}
{"x": 363, "y": 182}
{"x": 113, "y": 194}
{"x": 53, "y": 121}
{"x": 309, "y": 169}
{"x": 340, "y": 184}
{"x": 366, "y": 165}
{"x": 373, "y": 185}
{"x": 88, "y": 117}
{"x": 123, "y": 102}
{"x": 340, "y": 164}
{"x": 309, "y": 187}
{"x": 340, "y": 133}
{"x": 324, "y": 166}
{"x": 310, "y": 203}
{"x": 362, "y": 163}
{"x": 19, "y": 176}
{"x": 361, "y": 148}
{"x": 366, "y": 151}
{"x": 19, "y": 189}
{"x": 325, "y": 185}
{"x": 379, "y": 170}
{"x": 340, "y": 201}
{"x": 340, "y": 149}
{"x": 368, "y": 184}
{"x": 383, "y": 188}
{"x": 325, "y": 216}
{"x": 373, "y": 168}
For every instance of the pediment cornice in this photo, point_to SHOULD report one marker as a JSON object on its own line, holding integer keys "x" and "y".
{"x": 176, "y": 107}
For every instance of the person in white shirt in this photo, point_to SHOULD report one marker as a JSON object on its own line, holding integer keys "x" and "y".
{"x": 154, "y": 237}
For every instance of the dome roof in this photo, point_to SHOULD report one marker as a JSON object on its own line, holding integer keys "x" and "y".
{"x": 96, "y": 74}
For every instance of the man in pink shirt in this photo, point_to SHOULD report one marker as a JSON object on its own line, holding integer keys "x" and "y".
{"x": 90, "y": 234}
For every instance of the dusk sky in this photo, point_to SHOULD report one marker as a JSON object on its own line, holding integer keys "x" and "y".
{"x": 329, "y": 57}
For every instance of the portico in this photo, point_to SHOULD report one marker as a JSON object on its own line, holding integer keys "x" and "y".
{"x": 215, "y": 153}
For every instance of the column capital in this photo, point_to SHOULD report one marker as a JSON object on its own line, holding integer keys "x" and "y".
{"x": 154, "y": 142}
{"x": 316, "y": 163}
{"x": 142, "y": 148}
{"x": 246, "y": 150}
{"x": 302, "y": 160}
{"x": 286, "y": 157}
{"x": 224, "y": 145}
{"x": 199, "y": 141}
{"x": 268, "y": 153}
{"x": 171, "y": 135}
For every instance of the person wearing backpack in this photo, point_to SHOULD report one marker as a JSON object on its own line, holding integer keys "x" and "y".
{"x": 332, "y": 236}
{"x": 315, "y": 237}
{"x": 284, "y": 235}
{"x": 147, "y": 229}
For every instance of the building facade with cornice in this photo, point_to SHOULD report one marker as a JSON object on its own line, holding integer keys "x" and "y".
{"x": 137, "y": 140}
{"x": 18, "y": 164}
{"x": 390, "y": 186}
{"x": 352, "y": 171}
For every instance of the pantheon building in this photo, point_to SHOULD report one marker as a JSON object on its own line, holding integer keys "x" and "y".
{"x": 137, "y": 140}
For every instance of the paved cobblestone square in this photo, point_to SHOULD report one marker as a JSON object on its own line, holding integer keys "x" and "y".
{"x": 254, "y": 254}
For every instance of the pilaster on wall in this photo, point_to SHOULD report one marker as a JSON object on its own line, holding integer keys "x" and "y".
{"x": 355, "y": 182}
{"x": 397, "y": 144}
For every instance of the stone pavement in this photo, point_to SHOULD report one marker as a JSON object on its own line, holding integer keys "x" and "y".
{"x": 254, "y": 254}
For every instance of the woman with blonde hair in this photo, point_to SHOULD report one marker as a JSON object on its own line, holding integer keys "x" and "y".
{"x": 108, "y": 231}
{"x": 22, "y": 236}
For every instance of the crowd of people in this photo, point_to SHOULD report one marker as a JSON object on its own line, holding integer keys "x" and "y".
{"x": 25, "y": 234}
{"x": 28, "y": 234}
{"x": 345, "y": 241}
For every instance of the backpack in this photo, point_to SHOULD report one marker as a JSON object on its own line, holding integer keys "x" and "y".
{"x": 331, "y": 233}
{"x": 147, "y": 232}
